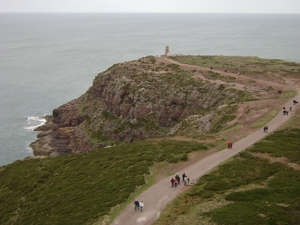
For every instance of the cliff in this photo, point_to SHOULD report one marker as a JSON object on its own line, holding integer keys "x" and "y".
{"x": 136, "y": 100}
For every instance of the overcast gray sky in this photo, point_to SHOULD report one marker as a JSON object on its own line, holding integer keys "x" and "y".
{"x": 163, "y": 6}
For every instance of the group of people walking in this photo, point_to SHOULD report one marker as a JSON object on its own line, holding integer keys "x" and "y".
{"x": 285, "y": 111}
{"x": 138, "y": 205}
{"x": 176, "y": 181}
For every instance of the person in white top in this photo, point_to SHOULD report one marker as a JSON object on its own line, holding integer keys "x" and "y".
{"x": 141, "y": 205}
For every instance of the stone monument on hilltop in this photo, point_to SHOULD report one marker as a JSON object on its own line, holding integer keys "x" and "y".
{"x": 167, "y": 51}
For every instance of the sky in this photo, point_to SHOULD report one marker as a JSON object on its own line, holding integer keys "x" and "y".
{"x": 152, "y": 6}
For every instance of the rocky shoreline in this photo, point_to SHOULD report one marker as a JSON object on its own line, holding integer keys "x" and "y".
{"x": 59, "y": 136}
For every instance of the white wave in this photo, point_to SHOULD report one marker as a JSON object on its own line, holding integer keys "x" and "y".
{"x": 27, "y": 148}
{"x": 34, "y": 122}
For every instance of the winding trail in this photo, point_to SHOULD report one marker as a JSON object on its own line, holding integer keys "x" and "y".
{"x": 158, "y": 196}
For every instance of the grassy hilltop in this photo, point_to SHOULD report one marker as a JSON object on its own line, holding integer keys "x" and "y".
{"x": 259, "y": 186}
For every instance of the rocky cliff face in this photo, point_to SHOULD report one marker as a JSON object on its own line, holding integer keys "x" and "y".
{"x": 131, "y": 101}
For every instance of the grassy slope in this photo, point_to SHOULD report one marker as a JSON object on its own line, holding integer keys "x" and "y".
{"x": 250, "y": 66}
{"x": 78, "y": 189}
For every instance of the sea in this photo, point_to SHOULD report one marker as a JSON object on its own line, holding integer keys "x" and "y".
{"x": 48, "y": 59}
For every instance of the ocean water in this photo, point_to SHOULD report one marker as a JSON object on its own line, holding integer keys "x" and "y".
{"x": 50, "y": 59}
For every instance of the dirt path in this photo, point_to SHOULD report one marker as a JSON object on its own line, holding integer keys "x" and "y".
{"x": 242, "y": 82}
{"x": 158, "y": 196}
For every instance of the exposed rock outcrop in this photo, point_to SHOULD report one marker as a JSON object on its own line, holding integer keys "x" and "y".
{"x": 131, "y": 101}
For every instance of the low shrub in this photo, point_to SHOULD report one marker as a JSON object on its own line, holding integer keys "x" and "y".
{"x": 78, "y": 188}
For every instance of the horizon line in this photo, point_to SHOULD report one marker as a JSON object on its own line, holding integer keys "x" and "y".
{"x": 158, "y": 12}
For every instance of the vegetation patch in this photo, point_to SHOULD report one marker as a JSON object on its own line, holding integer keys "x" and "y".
{"x": 283, "y": 143}
{"x": 222, "y": 116}
{"x": 81, "y": 188}
{"x": 248, "y": 65}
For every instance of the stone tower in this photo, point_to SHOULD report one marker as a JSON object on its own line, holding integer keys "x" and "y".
{"x": 167, "y": 51}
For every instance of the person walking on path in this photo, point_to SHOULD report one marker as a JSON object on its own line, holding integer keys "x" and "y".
{"x": 177, "y": 177}
{"x": 136, "y": 205}
{"x": 172, "y": 182}
{"x": 175, "y": 182}
{"x": 141, "y": 205}
{"x": 184, "y": 178}
{"x": 229, "y": 145}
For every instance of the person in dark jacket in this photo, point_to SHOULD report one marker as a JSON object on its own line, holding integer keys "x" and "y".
{"x": 136, "y": 205}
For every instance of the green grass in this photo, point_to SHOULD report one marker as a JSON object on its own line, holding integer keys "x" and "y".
{"x": 221, "y": 117}
{"x": 247, "y": 189}
{"x": 283, "y": 143}
{"x": 81, "y": 188}
{"x": 250, "y": 66}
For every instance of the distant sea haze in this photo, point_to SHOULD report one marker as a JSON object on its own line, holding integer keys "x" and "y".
{"x": 50, "y": 59}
